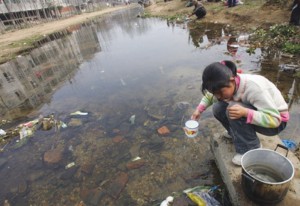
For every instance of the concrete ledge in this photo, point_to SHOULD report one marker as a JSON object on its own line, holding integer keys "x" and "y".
{"x": 224, "y": 151}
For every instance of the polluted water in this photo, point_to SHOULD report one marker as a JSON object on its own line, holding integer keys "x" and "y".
{"x": 105, "y": 144}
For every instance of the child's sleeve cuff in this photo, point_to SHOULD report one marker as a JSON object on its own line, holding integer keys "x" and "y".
{"x": 250, "y": 116}
{"x": 201, "y": 108}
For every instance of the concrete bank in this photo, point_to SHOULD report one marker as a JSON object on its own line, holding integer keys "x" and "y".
{"x": 223, "y": 151}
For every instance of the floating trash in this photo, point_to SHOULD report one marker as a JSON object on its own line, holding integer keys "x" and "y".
{"x": 197, "y": 188}
{"x": 63, "y": 125}
{"x": 136, "y": 158}
{"x": 196, "y": 199}
{"x": 25, "y": 132}
{"x": 79, "y": 113}
{"x": 132, "y": 119}
{"x": 207, "y": 198}
{"x": 71, "y": 148}
{"x": 2, "y": 132}
{"x": 72, "y": 164}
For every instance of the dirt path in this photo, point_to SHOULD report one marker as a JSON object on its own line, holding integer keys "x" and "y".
{"x": 15, "y": 41}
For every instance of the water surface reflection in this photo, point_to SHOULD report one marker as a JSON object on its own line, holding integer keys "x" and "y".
{"x": 129, "y": 77}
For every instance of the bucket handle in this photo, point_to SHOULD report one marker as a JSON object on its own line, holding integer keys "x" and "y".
{"x": 248, "y": 177}
{"x": 283, "y": 147}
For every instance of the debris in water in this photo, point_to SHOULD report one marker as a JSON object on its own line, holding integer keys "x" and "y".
{"x": 2, "y": 132}
{"x": 79, "y": 113}
{"x": 30, "y": 123}
{"x": 25, "y": 131}
{"x": 132, "y": 119}
{"x": 197, "y": 188}
{"x": 63, "y": 125}
{"x": 72, "y": 164}
{"x": 196, "y": 199}
{"x": 207, "y": 198}
{"x": 71, "y": 148}
{"x": 136, "y": 158}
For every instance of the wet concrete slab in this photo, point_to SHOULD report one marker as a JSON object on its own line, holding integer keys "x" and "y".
{"x": 224, "y": 151}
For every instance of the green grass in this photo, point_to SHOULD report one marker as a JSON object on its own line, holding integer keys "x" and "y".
{"x": 25, "y": 43}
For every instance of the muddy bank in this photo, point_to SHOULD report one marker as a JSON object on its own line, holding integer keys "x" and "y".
{"x": 251, "y": 14}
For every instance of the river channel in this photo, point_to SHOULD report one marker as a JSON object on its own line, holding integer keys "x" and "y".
{"x": 89, "y": 101}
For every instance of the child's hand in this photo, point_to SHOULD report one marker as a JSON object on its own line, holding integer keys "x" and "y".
{"x": 237, "y": 111}
{"x": 196, "y": 115}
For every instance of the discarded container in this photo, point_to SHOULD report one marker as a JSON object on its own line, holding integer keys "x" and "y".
{"x": 191, "y": 128}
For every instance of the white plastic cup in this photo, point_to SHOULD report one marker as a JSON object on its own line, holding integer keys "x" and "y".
{"x": 191, "y": 128}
